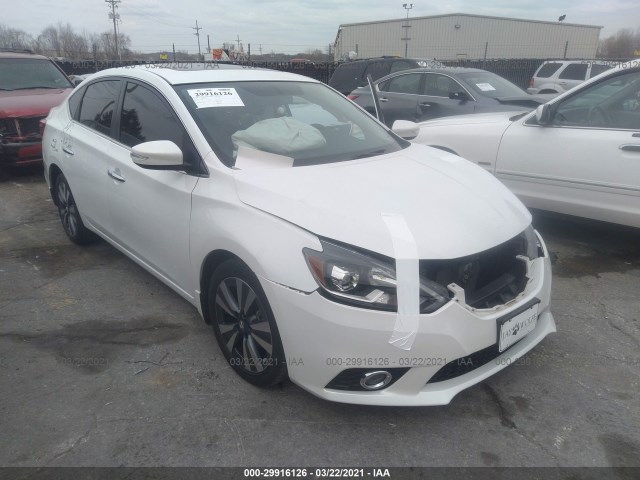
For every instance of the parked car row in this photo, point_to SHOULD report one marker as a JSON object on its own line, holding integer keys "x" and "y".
{"x": 579, "y": 154}
{"x": 423, "y": 94}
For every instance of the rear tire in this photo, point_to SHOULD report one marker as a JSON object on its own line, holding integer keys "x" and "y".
{"x": 244, "y": 325}
{"x": 69, "y": 214}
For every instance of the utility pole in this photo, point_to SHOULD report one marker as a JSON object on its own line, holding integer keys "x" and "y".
{"x": 249, "y": 53}
{"x": 115, "y": 17}
{"x": 260, "y": 50}
{"x": 174, "y": 52}
{"x": 406, "y": 26}
{"x": 197, "y": 34}
{"x": 208, "y": 44}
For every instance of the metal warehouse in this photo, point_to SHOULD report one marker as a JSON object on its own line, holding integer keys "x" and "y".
{"x": 463, "y": 36}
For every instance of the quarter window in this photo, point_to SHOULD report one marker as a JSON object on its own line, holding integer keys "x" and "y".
{"x": 575, "y": 71}
{"x": 548, "y": 69}
{"x": 98, "y": 105}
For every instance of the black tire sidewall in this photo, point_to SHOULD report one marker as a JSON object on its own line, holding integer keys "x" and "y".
{"x": 82, "y": 236}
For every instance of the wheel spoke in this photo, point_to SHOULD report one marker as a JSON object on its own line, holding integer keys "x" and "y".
{"x": 221, "y": 302}
{"x": 226, "y": 327}
{"x": 245, "y": 354}
{"x": 229, "y": 298}
{"x": 249, "y": 301}
{"x": 232, "y": 341}
{"x": 239, "y": 293}
{"x": 253, "y": 351}
{"x": 263, "y": 343}
{"x": 262, "y": 326}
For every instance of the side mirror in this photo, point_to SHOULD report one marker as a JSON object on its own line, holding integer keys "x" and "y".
{"x": 458, "y": 96}
{"x": 405, "y": 129}
{"x": 76, "y": 81}
{"x": 157, "y": 155}
{"x": 543, "y": 114}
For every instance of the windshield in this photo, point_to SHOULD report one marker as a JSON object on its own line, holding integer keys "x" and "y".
{"x": 491, "y": 85}
{"x": 27, "y": 73}
{"x": 307, "y": 122}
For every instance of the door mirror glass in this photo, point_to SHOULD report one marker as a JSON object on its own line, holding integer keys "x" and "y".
{"x": 157, "y": 155}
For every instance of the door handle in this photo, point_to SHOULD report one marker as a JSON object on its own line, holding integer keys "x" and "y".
{"x": 630, "y": 147}
{"x": 383, "y": 99}
{"x": 425, "y": 105}
{"x": 67, "y": 150}
{"x": 115, "y": 174}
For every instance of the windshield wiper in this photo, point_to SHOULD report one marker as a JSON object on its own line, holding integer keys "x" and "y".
{"x": 382, "y": 151}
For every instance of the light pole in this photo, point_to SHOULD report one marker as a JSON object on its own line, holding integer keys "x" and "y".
{"x": 406, "y": 26}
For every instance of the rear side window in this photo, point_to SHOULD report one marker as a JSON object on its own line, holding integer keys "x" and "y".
{"x": 409, "y": 83}
{"x": 575, "y": 71}
{"x": 346, "y": 73}
{"x": 399, "y": 65}
{"x": 146, "y": 118}
{"x": 377, "y": 70}
{"x": 98, "y": 105}
{"x": 597, "y": 69}
{"x": 548, "y": 69}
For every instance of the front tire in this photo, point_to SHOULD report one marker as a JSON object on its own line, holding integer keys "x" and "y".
{"x": 244, "y": 325}
{"x": 69, "y": 214}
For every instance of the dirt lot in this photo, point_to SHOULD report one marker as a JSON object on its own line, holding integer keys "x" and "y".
{"x": 101, "y": 364}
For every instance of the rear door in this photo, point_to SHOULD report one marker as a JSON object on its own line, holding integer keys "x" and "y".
{"x": 399, "y": 97}
{"x": 87, "y": 145}
{"x": 434, "y": 101}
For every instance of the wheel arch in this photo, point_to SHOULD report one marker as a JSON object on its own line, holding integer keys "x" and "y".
{"x": 209, "y": 265}
{"x": 54, "y": 173}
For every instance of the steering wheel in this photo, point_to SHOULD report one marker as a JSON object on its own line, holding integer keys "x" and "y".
{"x": 597, "y": 117}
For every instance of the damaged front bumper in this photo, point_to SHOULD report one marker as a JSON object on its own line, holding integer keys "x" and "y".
{"x": 328, "y": 345}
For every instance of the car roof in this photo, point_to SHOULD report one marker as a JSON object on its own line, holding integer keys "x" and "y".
{"x": 446, "y": 70}
{"x": 183, "y": 73}
{"x": 25, "y": 54}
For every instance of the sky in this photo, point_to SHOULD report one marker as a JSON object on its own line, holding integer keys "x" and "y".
{"x": 286, "y": 26}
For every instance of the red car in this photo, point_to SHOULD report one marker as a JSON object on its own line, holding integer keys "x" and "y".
{"x": 30, "y": 85}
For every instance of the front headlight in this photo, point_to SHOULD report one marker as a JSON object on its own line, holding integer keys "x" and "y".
{"x": 355, "y": 278}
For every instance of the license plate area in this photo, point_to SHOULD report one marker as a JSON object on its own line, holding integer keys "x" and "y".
{"x": 517, "y": 324}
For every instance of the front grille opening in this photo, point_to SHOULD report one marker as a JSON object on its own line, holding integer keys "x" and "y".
{"x": 490, "y": 278}
{"x": 30, "y": 127}
{"x": 349, "y": 379}
{"x": 463, "y": 365}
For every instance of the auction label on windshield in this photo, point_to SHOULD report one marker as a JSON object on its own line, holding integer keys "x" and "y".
{"x": 215, "y": 97}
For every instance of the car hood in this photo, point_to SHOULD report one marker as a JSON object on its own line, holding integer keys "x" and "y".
{"x": 474, "y": 119}
{"x": 31, "y": 103}
{"x": 452, "y": 207}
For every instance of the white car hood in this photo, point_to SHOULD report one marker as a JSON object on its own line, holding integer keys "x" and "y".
{"x": 452, "y": 207}
{"x": 474, "y": 119}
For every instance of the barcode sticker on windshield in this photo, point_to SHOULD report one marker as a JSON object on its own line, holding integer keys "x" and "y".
{"x": 485, "y": 87}
{"x": 215, "y": 97}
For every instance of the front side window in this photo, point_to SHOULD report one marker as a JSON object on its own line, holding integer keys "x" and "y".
{"x": 611, "y": 103}
{"x": 597, "y": 69}
{"x": 409, "y": 83}
{"x": 98, "y": 105}
{"x": 437, "y": 85}
{"x": 28, "y": 73}
{"x": 305, "y": 121}
{"x": 574, "y": 71}
{"x": 146, "y": 118}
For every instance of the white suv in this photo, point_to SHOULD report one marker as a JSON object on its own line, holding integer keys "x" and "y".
{"x": 558, "y": 76}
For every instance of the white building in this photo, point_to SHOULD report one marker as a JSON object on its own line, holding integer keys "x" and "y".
{"x": 463, "y": 36}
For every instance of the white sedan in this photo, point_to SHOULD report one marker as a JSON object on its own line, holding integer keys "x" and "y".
{"x": 579, "y": 154}
{"x": 318, "y": 244}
